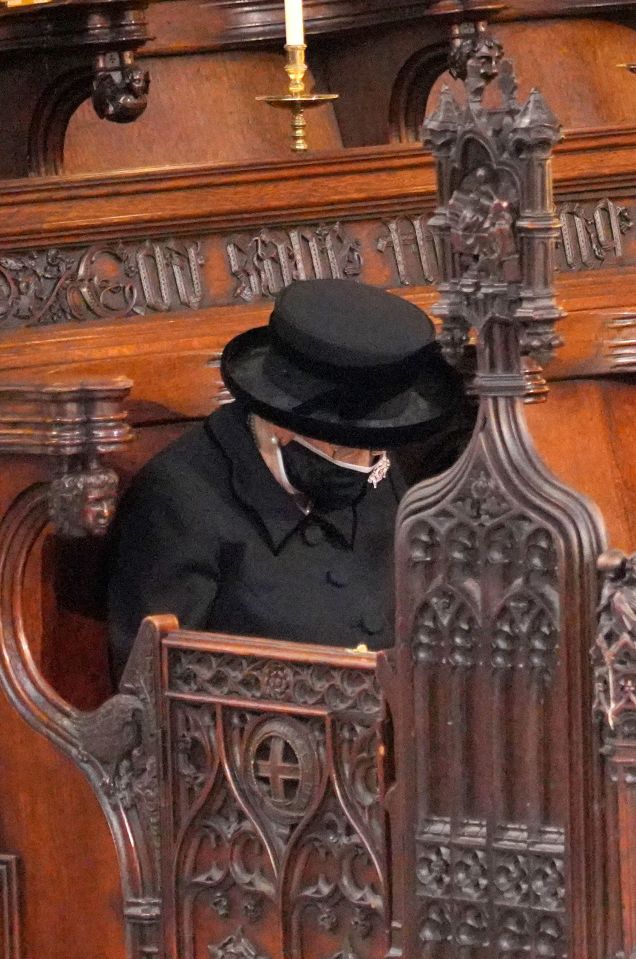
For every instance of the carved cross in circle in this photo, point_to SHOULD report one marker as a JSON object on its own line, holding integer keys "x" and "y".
{"x": 276, "y": 766}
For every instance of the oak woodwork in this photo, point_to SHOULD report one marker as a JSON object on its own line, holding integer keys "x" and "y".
{"x": 280, "y": 805}
{"x": 9, "y": 908}
{"x": 208, "y": 134}
{"x": 50, "y": 58}
{"x": 145, "y": 273}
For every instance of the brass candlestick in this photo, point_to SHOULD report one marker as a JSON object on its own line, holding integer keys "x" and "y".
{"x": 297, "y": 100}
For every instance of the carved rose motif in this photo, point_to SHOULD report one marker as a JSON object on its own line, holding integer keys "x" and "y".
{"x": 277, "y": 681}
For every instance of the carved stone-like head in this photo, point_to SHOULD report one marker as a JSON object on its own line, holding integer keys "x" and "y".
{"x": 477, "y": 55}
{"x": 121, "y": 96}
{"x": 83, "y": 504}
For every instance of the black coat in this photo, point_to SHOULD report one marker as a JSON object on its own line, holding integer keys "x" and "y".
{"x": 207, "y": 533}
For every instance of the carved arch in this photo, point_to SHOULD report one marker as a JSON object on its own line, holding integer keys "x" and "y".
{"x": 51, "y": 118}
{"x": 411, "y": 91}
{"x": 114, "y": 746}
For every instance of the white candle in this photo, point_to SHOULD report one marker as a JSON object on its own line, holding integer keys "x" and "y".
{"x": 294, "y": 31}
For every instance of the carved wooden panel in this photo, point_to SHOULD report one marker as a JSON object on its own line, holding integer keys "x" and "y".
{"x": 163, "y": 275}
{"x": 496, "y": 583}
{"x": 486, "y": 635}
{"x": 9, "y": 909}
{"x": 274, "y": 834}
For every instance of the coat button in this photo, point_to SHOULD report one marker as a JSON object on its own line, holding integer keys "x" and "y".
{"x": 312, "y": 534}
{"x": 338, "y": 577}
{"x": 372, "y": 622}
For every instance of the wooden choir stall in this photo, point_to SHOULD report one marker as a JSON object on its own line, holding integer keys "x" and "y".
{"x": 469, "y": 793}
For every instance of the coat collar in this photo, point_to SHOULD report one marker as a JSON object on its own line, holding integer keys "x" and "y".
{"x": 256, "y": 488}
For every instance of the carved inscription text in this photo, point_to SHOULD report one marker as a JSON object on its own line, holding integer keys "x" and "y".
{"x": 60, "y": 286}
{"x": 265, "y": 263}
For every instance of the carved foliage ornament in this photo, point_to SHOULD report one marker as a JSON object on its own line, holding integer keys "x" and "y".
{"x": 226, "y": 675}
{"x": 62, "y": 286}
{"x": 483, "y": 889}
{"x": 614, "y": 653}
{"x": 237, "y": 946}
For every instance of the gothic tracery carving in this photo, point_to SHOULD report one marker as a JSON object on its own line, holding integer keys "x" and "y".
{"x": 308, "y": 685}
{"x": 492, "y": 543}
{"x": 265, "y": 801}
{"x": 492, "y": 565}
{"x": 486, "y": 889}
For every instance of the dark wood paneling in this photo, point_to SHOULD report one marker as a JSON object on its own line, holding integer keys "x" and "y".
{"x": 202, "y": 110}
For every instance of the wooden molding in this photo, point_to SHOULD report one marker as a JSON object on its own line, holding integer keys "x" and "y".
{"x": 368, "y": 181}
{"x": 9, "y": 909}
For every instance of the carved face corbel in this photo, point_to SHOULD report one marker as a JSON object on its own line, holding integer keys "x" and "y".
{"x": 83, "y": 503}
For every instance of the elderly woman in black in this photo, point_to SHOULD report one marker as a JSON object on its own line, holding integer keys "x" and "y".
{"x": 275, "y": 516}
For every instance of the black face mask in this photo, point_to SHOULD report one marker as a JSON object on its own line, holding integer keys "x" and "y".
{"x": 327, "y": 485}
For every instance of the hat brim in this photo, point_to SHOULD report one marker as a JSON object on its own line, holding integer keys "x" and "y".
{"x": 425, "y": 405}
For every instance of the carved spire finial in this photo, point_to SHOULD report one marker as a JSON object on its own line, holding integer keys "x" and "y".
{"x": 495, "y": 225}
{"x": 442, "y": 126}
{"x": 536, "y": 125}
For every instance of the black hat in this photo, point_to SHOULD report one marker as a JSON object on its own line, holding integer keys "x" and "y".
{"x": 344, "y": 362}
